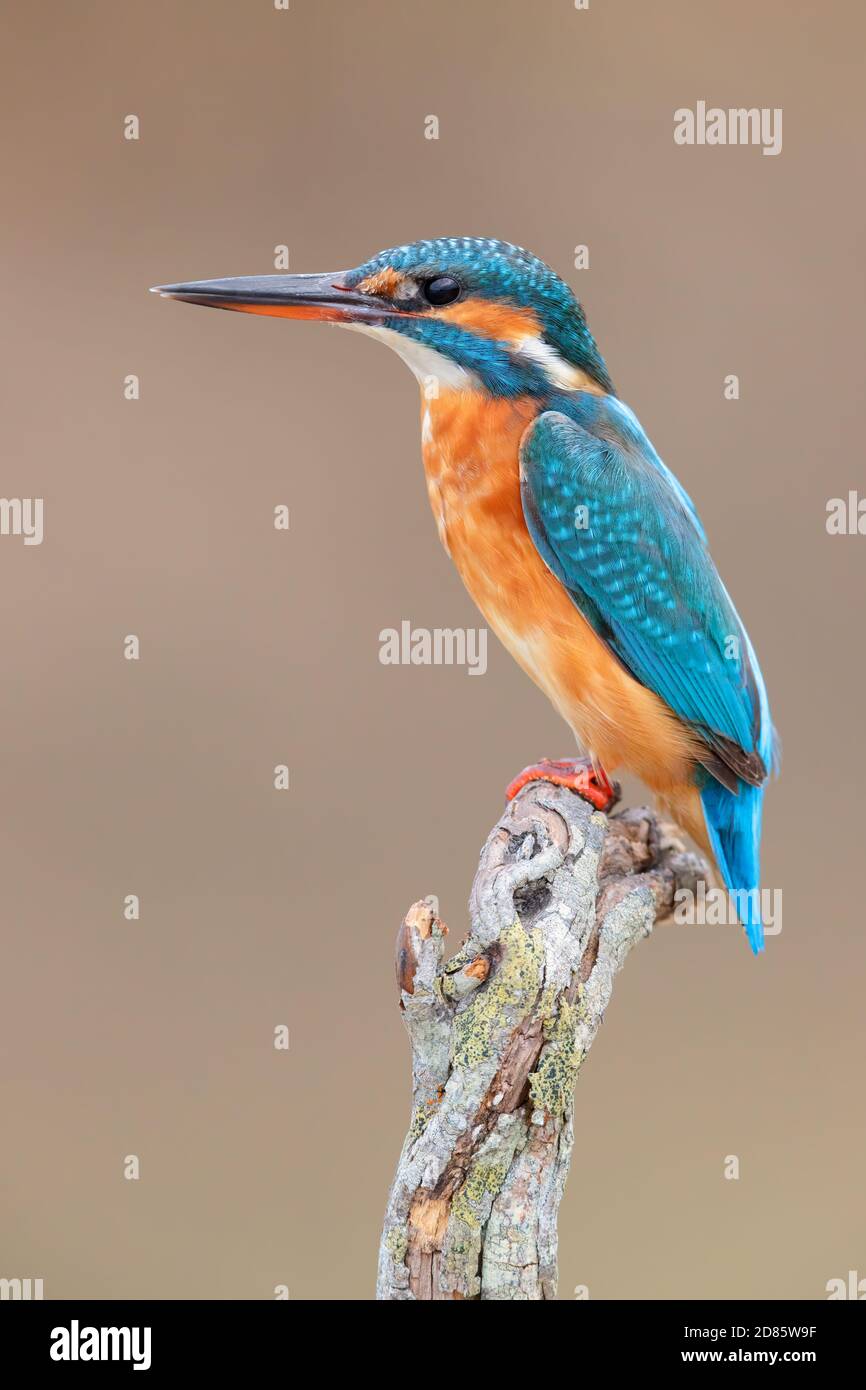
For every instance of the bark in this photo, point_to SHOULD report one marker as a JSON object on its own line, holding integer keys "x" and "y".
{"x": 499, "y": 1033}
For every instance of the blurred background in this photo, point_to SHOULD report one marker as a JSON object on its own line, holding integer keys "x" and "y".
{"x": 154, "y": 1037}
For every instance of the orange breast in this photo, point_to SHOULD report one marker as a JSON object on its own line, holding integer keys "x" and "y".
{"x": 471, "y": 451}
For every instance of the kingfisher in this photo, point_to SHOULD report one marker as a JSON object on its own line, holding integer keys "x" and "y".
{"x": 582, "y": 550}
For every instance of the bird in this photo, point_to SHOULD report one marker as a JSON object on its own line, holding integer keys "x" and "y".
{"x": 581, "y": 548}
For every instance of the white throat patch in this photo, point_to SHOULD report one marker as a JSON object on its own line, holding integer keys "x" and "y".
{"x": 428, "y": 365}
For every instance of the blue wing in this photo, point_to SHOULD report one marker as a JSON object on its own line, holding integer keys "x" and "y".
{"x": 621, "y": 535}
{"x": 618, "y": 531}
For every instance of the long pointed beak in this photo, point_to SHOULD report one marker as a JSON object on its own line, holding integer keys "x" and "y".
{"x": 322, "y": 297}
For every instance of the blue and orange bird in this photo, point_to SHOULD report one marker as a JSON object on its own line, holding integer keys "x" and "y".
{"x": 580, "y": 547}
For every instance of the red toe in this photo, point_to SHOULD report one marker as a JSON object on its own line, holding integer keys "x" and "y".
{"x": 578, "y": 774}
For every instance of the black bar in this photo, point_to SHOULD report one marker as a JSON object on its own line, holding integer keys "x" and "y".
{"x": 222, "y": 1338}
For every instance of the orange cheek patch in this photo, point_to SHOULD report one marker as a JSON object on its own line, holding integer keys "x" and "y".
{"x": 385, "y": 283}
{"x": 501, "y": 321}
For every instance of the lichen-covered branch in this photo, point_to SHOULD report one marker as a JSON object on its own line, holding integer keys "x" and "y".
{"x": 499, "y": 1032}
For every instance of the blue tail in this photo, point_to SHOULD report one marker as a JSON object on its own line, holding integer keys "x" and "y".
{"x": 734, "y": 826}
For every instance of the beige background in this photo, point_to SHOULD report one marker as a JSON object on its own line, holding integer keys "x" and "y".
{"x": 259, "y": 908}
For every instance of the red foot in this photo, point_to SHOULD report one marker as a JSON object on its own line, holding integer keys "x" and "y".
{"x": 578, "y": 774}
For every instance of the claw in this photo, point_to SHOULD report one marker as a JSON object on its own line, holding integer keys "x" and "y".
{"x": 578, "y": 774}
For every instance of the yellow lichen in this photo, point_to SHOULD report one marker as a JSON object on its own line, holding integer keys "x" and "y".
{"x": 513, "y": 981}
{"x": 419, "y": 1122}
{"x": 396, "y": 1242}
{"x": 483, "y": 1178}
{"x": 550, "y": 1087}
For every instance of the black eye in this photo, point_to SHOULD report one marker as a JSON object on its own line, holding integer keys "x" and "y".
{"x": 442, "y": 289}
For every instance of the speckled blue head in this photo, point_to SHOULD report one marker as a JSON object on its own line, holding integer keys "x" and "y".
{"x": 492, "y": 308}
{"x": 474, "y": 313}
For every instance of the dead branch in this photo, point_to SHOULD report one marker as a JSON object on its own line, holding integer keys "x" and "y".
{"x": 499, "y": 1032}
